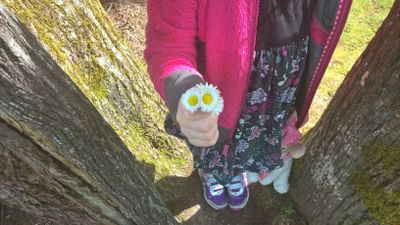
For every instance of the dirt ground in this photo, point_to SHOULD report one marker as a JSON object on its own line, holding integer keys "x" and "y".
{"x": 184, "y": 195}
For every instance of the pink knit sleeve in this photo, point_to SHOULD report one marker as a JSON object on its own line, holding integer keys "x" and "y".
{"x": 171, "y": 33}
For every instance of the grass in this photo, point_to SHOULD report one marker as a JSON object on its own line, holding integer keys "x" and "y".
{"x": 364, "y": 20}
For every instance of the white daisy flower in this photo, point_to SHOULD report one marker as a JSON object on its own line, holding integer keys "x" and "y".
{"x": 219, "y": 107}
{"x": 209, "y": 97}
{"x": 191, "y": 99}
{"x": 211, "y": 100}
{"x": 205, "y": 97}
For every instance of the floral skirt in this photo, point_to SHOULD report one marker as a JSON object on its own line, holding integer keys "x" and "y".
{"x": 257, "y": 144}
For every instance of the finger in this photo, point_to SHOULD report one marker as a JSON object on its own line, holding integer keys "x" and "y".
{"x": 200, "y": 136}
{"x": 198, "y": 143}
{"x": 197, "y": 115}
{"x": 203, "y": 143}
{"x": 204, "y": 125}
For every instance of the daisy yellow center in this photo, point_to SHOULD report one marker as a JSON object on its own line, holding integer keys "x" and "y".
{"x": 193, "y": 100}
{"x": 207, "y": 99}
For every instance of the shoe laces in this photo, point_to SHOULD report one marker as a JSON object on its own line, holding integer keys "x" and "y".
{"x": 214, "y": 187}
{"x": 236, "y": 186}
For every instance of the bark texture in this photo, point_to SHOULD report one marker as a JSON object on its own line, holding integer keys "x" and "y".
{"x": 59, "y": 158}
{"x": 351, "y": 172}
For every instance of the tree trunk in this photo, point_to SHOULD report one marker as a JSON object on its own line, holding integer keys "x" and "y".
{"x": 351, "y": 172}
{"x": 59, "y": 159}
{"x": 80, "y": 36}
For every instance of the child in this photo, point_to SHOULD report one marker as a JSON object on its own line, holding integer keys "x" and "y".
{"x": 266, "y": 57}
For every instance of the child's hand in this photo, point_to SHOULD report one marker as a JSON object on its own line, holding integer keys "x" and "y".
{"x": 200, "y": 128}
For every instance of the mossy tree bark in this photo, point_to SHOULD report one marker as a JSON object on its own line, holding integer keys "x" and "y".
{"x": 351, "y": 172}
{"x": 80, "y": 36}
{"x": 59, "y": 159}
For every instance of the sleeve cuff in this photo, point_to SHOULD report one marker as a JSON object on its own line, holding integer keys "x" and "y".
{"x": 175, "y": 85}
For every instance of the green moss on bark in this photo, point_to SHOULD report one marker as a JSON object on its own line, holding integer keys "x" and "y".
{"x": 84, "y": 40}
{"x": 380, "y": 194}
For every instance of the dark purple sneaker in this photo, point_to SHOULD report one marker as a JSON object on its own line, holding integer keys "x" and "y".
{"x": 214, "y": 193}
{"x": 238, "y": 193}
